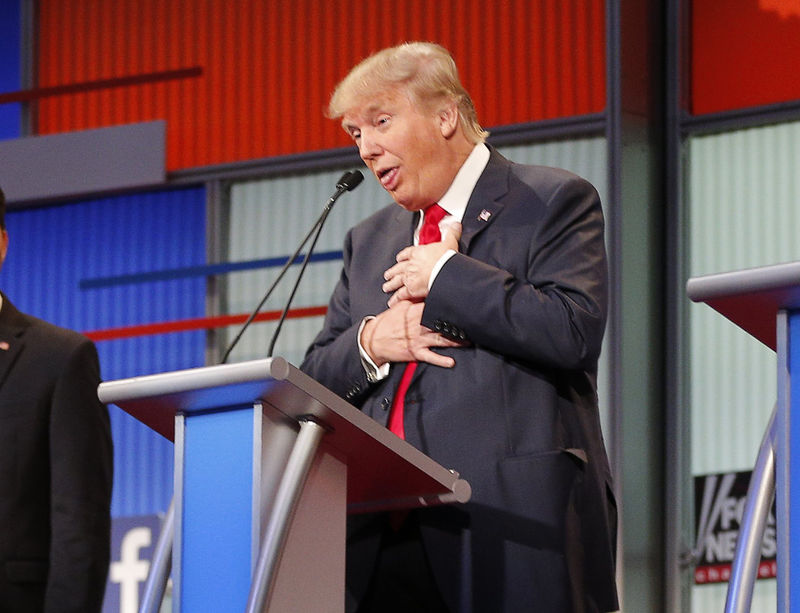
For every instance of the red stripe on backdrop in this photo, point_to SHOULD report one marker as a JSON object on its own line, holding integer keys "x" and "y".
{"x": 27, "y": 95}
{"x": 200, "y": 323}
{"x": 743, "y": 54}
{"x": 269, "y": 67}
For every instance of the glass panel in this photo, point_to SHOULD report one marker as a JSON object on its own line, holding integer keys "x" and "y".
{"x": 743, "y": 209}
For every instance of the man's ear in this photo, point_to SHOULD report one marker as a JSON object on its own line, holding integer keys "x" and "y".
{"x": 448, "y": 119}
{"x": 3, "y": 246}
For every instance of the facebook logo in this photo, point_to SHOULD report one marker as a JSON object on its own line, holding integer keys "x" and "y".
{"x": 133, "y": 541}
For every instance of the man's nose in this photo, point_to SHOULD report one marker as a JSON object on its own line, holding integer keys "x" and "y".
{"x": 368, "y": 147}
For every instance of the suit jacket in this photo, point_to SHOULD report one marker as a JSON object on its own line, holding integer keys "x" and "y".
{"x": 517, "y": 416}
{"x": 55, "y": 469}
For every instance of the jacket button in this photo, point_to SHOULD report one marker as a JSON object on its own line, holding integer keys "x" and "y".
{"x": 385, "y": 404}
{"x": 353, "y": 392}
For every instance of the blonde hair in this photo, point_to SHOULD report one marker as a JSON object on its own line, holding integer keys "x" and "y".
{"x": 426, "y": 71}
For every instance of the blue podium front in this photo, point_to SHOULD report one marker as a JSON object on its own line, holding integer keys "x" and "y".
{"x": 787, "y": 468}
{"x": 214, "y": 509}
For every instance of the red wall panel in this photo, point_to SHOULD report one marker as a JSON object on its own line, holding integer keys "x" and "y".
{"x": 268, "y": 67}
{"x": 744, "y": 53}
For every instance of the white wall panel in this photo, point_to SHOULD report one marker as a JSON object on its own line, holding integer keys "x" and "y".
{"x": 268, "y": 219}
{"x": 585, "y": 157}
{"x": 744, "y": 211}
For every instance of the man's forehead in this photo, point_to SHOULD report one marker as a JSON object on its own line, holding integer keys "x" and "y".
{"x": 366, "y": 108}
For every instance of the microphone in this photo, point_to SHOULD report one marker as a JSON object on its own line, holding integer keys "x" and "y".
{"x": 347, "y": 182}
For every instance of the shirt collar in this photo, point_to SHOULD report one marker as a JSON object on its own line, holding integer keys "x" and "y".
{"x": 457, "y": 195}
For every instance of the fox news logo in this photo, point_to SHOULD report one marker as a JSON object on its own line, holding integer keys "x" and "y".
{"x": 719, "y": 506}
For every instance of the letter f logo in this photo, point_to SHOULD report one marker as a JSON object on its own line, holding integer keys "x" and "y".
{"x": 130, "y": 570}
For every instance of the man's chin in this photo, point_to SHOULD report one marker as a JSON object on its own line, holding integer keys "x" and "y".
{"x": 408, "y": 205}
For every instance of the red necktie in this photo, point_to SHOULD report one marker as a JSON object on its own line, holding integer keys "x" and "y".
{"x": 429, "y": 233}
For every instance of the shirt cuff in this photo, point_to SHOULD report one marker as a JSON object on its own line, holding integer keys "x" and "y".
{"x": 437, "y": 267}
{"x": 374, "y": 373}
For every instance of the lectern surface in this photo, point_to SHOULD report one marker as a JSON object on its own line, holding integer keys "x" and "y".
{"x": 383, "y": 470}
{"x": 751, "y": 298}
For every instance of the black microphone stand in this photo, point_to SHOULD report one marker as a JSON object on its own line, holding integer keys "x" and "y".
{"x": 347, "y": 182}
{"x": 319, "y": 225}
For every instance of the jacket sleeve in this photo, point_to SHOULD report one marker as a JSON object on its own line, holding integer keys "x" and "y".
{"x": 551, "y": 310}
{"x": 81, "y": 458}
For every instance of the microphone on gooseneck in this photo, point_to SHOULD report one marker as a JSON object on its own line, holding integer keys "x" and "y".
{"x": 347, "y": 182}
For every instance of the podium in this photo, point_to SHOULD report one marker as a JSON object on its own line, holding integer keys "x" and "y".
{"x": 765, "y": 302}
{"x": 268, "y": 462}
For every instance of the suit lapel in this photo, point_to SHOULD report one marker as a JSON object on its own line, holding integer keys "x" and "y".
{"x": 402, "y": 234}
{"x": 485, "y": 202}
{"x": 12, "y": 330}
{"x": 375, "y": 254}
{"x": 482, "y": 208}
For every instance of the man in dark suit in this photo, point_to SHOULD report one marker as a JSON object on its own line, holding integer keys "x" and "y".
{"x": 55, "y": 466}
{"x": 503, "y": 313}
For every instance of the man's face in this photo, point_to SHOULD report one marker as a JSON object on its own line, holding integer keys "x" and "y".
{"x": 406, "y": 147}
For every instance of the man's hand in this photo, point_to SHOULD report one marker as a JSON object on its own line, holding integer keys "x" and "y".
{"x": 396, "y": 335}
{"x": 408, "y": 279}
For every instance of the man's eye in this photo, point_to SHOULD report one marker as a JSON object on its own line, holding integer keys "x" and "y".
{"x": 382, "y": 120}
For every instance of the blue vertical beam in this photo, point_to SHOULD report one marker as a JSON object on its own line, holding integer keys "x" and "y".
{"x": 10, "y": 66}
{"x": 214, "y": 491}
{"x": 787, "y": 469}
{"x": 793, "y": 459}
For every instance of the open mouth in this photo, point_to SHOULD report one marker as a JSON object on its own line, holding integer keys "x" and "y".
{"x": 387, "y": 176}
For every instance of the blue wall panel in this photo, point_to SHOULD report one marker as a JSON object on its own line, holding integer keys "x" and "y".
{"x": 53, "y": 249}
{"x": 10, "y": 66}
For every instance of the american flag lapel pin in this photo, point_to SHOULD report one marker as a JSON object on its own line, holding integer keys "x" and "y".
{"x": 485, "y": 215}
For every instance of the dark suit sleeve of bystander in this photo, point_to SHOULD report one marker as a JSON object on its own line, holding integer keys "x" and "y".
{"x": 81, "y": 480}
